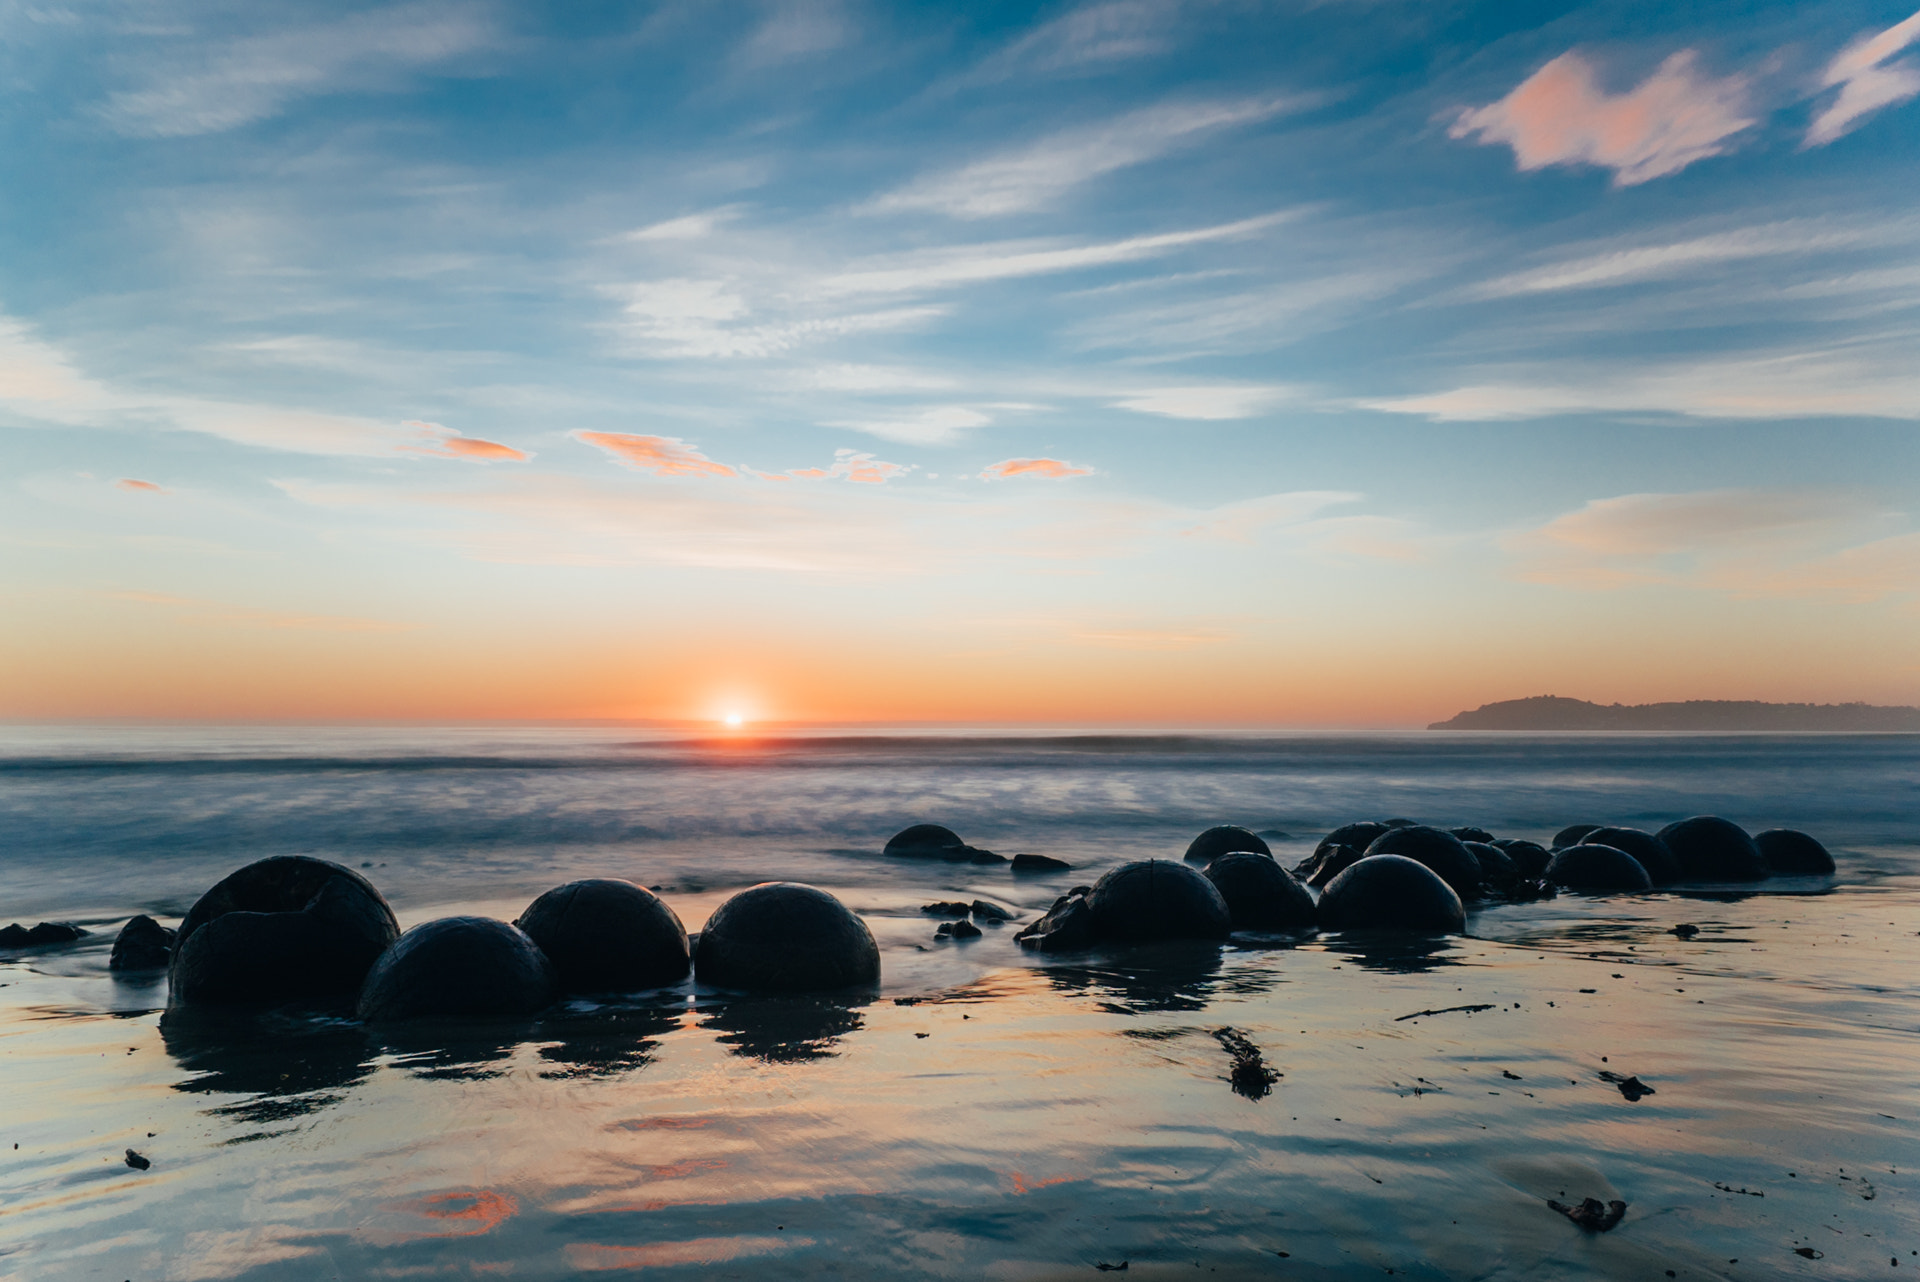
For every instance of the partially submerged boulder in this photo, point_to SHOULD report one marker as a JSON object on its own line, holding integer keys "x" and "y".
{"x": 933, "y": 841}
{"x": 783, "y": 937}
{"x": 1571, "y": 834}
{"x": 1472, "y": 834}
{"x": 1530, "y": 857}
{"x": 1391, "y": 892}
{"x": 1224, "y": 839}
{"x": 1151, "y": 899}
{"x": 1497, "y": 869}
{"x": 604, "y": 935}
{"x": 1790, "y": 852}
{"x": 47, "y": 932}
{"x": 285, "y": 928}
{"x": 1260, "y": 894}
{"x": 458, "y": 968}
{"x": 1710, "y": 848}
{"x": 1662, "y": 868}
{"x": 142, "y": 944}
{"x": 1040, "y": 864}
{"x": 1592, "y": 867}
{"x": 1331, "y": 862}
{"x": 1441, "y": 851}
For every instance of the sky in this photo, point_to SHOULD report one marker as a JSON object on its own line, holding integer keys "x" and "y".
{"x": 1136, "y": 362}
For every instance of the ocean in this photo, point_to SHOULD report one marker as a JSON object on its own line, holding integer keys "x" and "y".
{"x": 989, "y": 1113}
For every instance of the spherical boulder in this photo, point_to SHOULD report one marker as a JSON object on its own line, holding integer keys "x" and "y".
{"x": 1792, "y": 853}
{"x": 1224, "y": 839}
{"x": 1571, "y": 834}
{"x": 1662, "y": 868}
{"x": 1260, "y": 894}
{"x": 1401, "y": 823}
{"x": 1530, "y": 857}
{"x": 285, "y": 928}
{"x": 1441, "y": 851}
{"x": 1391, "y": 892}
{"x": 458, "y": 968}
{"x": 1471, "y": 833}
{"x": 1592, "y": 867}
{"x": 1497, "y": 868}
{"x": 782, "y": 937}
{"x": 1710, "y": 848}
{"x": 923, "y": 840}
{"x": 1334, "y": 861}
{"x": 604, "y": 935}
{"x": 1358, "y": 835}
{"x": 1153, "y": 899}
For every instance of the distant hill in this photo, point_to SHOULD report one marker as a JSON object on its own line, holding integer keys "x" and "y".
{"x": 1549, "y": 712}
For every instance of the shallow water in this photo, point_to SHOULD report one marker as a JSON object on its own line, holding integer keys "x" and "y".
{"x": 988, "y": 1113}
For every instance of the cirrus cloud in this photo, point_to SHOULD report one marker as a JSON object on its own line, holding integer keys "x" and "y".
{"x": 661, "y": 455}
{"x": 1044, "y": 469}
{"x": 1868, "y": 81}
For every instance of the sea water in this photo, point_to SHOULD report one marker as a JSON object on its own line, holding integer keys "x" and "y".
{"x": 988, "y": 1113}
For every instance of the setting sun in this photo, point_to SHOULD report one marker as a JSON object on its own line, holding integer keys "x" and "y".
{"x": 734, "y": 720}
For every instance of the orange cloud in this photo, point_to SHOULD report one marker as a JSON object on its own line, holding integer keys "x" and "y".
{"x": 447, "y": 443}
{"x": 128, "y": 483}
{"x": 661, "y": 455}
{"x": 1561, "y": 116}
{"x": 862, "y": 469}
{"x": 1048, "y": 469}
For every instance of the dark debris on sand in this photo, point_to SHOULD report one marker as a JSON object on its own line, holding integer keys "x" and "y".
{"x": 138, "y": 1162}
{"x": 1250, "y": 1076}
{"x": 1631, "y": 1087}
{"x": 1592, "y": 1215}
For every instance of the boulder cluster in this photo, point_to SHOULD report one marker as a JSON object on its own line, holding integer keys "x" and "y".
{"x": 294, "y": 928}
{"x": 1396, "y": 874}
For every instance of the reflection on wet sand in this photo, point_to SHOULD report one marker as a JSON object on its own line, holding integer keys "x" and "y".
{"x": 290, "y": 1065}
{"x": 1394, "y": 952}
{"x": 462, "y": 1051}
{"x": 786, "y": 1030}
{"x": 605, "y": 1044}
{"x": 1178, "y": 976}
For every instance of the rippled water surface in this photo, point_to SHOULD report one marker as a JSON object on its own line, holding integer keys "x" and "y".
{"x": 988, "y": 1113}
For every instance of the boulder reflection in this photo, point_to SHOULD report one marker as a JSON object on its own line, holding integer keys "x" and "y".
{"x": 1396, "y": 951}
{"x": 289, "y": 1065}
{"x": 786, "y": 1030}
{"x": 605, "y": 1044}
{"x": 456, "y": 1051}
{"x": 1179, "y": 976}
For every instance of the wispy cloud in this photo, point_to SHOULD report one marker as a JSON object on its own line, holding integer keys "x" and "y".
{"x": 796, "y": 29}
{"x": 933, "y": 425}
{"x": 1798, "y": 543}
{"x": 1039, "y": 175}
{"x": 1861, "y": 380}
{"x": 1239, "y": 522}
{"x": 226, "y": 84}
{"x": 712, "y": 318}
{"x": 1207, "y": 403}
{"x": 852, "y": 465}
{"x": 1043, "y": 469}
{"x": 439, "y": 439}
{"x": 137, "y": 486}
{"x": 1561, "y": 115}
{"x": 1008, "y": 260}
{"x": 686, "y": 227}
{"x": 1631, "y": 264}
{"x": 1868, "y": 80}
{"x": 661, "y": 455}
{"x": 1091, "y": 38}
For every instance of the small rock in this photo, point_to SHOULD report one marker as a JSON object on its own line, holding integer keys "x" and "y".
{"x": 1040, "y": 863}
{"x": 143, "y": 944}
{"x": 1067, "y": 926}
{"x": 1592, "y": 1214}
{"x": 47, "y": 932}
{"x": 138, "y": 1162}
{"x": 946, "y": 908}
{"x": 957, "y": 930}
{"x": 1631, "y": 1087}
{"x": 1686, "y": 930}
{"x": 984, "y": 911}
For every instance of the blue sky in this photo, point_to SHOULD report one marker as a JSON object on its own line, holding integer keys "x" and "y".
{"x": 1336, "y": 363}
